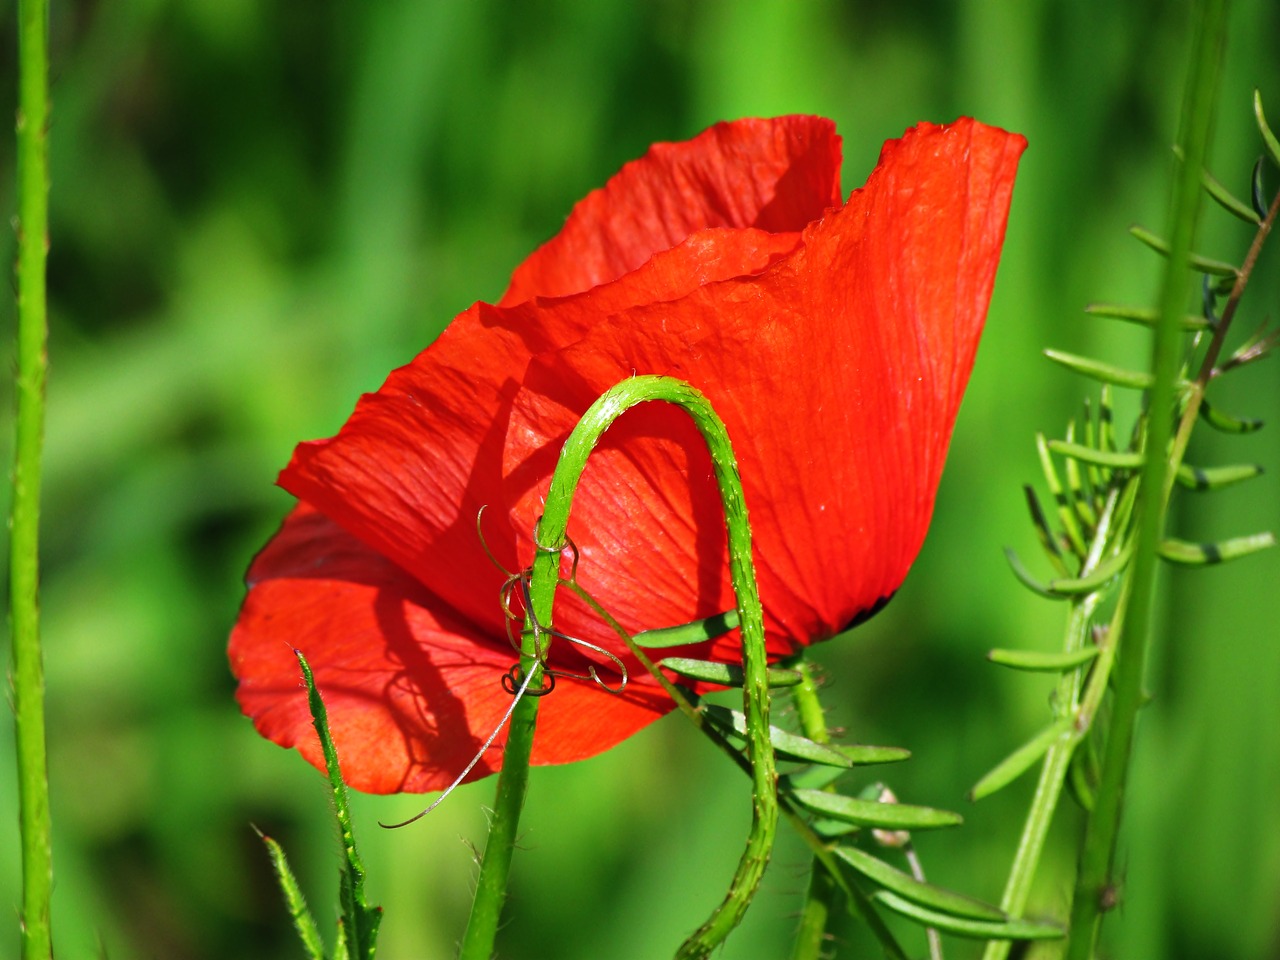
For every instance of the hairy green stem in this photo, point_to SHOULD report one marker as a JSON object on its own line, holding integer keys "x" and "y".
{"x": 1057, "y": 761}
{"x": 24, "y": 543}
{"x": 513, "y": 781}
{"x": 1094, "y": 883}
{"x": 858, "y": 903}
{"x": 545, "y": 577}
{"x": 819, "y": 899}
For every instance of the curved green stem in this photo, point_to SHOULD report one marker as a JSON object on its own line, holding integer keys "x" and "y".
{"x": 545, "y": 576}
{"x": 24, "y": 542}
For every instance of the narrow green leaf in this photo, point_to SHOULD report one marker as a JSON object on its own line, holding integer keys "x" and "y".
{"x": 1083, "y": 786}
{"x": 1224, "y": 198}
{"x": 1143, "y": 315}
{"x": 1080, "y": 495}
{"x": 787, "y": 745}
{"x": 1259, "y": 344}
{"x": 725, "y": 674}
{"x": 925, "y": 894}
{"x": 1021, "y": 760}
{"x": 1215, "y": 268}
{"x": 1028, "y": 581}
{"x": 833, "y": 829}
{"x": 1226, "y": 423}
{"x": 299, "y": 912}
{"x": 1214, "y": 478}
{"x": 1044, "y": 532}
{"x": 696, "y": 631}
{"x": 1116, "y": 460}
{"x": 1106, "y": 419}
{"x": 871, "y": 813}
{"x": 1043, "y": 661}
{"x": 1257, "y": 192}
{"x": 1094, "y": 580}
{"x": 1066, "y": 515}
{"x": 864, "y": 755}
{"x": 859, "y": 755}
{"x": 972, "y": 929}
{"x": 1098, "y": 478}
{"x": 1268, "y": 138}
{"x": 1104, "y": 372}
{"x": 809, "y": 778}
{"x": 1200, "y": 554}
{"x": 359, "y": 923}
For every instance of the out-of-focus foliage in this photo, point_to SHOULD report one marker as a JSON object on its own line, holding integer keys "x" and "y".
{"x": 259, "y": 209}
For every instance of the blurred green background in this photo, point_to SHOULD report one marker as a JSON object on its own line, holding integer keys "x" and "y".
{"x": 261, "y": 208}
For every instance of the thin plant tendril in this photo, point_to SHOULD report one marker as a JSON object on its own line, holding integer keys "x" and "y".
{"x": 528, "y": 678}
{"x": 510, "y": 682}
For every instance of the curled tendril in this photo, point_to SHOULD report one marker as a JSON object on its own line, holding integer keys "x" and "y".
{"x": 515, "y": 681}
{"x": 517, "y": 584}
{"x": 512, "y": 682}
{"x": 539, "y": 632}
{"x": 520, "y": 692}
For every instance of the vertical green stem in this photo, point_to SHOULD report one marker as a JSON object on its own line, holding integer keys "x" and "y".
{"x": 24, "y": 543}
{"x": 819, "y": 898}
{"x": 1098, "y": 853}
{"x": 513, "y": 781}
{"x": 495, "y": 867}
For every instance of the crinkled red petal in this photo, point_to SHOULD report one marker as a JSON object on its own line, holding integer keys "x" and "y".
{"x": 412, "y": 693}
{"x": 411, "y": 469}
{"x": 839, "y": 372}
{"x": 776, "y": 175}
{"x": 837, "y": 358}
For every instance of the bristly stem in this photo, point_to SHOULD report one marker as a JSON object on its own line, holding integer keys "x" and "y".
{"x": 820, "y": 896}
{"x": 545, "y": 576}
{"x": 1098, "y": 852}
{"x": 513, "y": 781}
{"x": 24, "y": 543}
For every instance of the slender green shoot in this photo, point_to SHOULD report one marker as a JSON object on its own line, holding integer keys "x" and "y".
{"x": 358, "y": 930}
{"x": 545, "y": 577}
{"x": 35, "y": 820}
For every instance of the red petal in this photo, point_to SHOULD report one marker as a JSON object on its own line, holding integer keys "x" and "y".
{"x": 837, "y": 360}
{"x": 838, "y": 371}
{"x": 776, "y": 175}
{"x": 414, "y": 464}
{"x": 411, "y": 693}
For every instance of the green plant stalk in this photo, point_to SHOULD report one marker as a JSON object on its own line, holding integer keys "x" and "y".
{"x": 1057, "y": 761}
{"x": 358, "y": 928}
{"x": 513, "y": 782}
{"x": 545, "y": 577}
{"x": 859, "y": 904}
{"x": 35, "y": 822}
{"x": 1094, "y": 880}
{"x": 819, "y": 898}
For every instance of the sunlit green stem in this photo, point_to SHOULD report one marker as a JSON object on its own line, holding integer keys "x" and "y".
{"x": 513, "y": 780}
{"x": 495, "y": 867}
{"x": 819, "y": 899}
{"x": 1057, "y": 761}
{"x": 1098, "y": 852}
{"x": 858, "y": 903}
{"x": 28, "y": 670}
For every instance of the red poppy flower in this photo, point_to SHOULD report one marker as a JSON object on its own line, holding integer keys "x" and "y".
{"x": 834, "y": 341}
